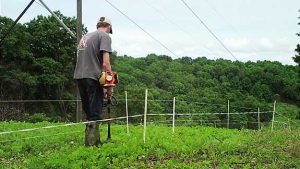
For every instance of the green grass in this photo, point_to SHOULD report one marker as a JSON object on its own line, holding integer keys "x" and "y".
{"x": 189, "y": 147}
{"x": 285, "y": 111}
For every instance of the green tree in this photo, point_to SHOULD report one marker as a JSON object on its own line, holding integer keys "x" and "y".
{"x": 15, "y": 58}
{"x": 37, "y": 61}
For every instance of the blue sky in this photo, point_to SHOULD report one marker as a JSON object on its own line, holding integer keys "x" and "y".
{"x": 251, "y": 29}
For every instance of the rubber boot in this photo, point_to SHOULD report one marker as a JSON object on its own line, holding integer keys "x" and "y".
{"x": 92, "y": 134}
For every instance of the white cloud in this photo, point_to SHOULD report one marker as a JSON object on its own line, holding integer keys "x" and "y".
{"x": 238, "y": 44}
{"x": 136, "y": 43}
{"x": 265, "y": 44}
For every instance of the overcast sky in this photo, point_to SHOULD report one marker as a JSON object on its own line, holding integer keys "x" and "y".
{"x": 251, "y": 29}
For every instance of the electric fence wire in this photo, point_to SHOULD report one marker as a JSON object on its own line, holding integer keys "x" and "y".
{"x": 119, "y": 118}
{"x": 132, "y": 100}
{"x": 209, "y": 30}
{"x": 216, "y": 104}
{"x": 169, "y": 121}
{"x": 200, "y": 114}
{"x": 68, "y": 124}
{"x": 198, "y": 122}
{"x": 140, "y": 115}
{"x": 203, "y": 122}
{"x": 191, "y": 102}
{"x": 150, "y": 35}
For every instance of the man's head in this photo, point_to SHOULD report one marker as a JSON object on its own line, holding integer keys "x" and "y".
{"x": 104, "y": 24}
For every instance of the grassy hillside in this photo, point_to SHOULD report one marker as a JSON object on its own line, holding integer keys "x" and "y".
{"x": 189, "y": 147}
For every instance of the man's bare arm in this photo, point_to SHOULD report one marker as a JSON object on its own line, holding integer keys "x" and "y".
{"x": 106, "y": 62}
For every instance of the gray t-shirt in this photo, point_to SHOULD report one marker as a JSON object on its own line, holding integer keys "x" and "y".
{"x": 90, "y": 54}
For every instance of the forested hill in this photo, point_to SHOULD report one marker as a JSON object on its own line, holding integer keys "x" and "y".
{"x": 38, "y": 59}
{"x": 205, "y": 80}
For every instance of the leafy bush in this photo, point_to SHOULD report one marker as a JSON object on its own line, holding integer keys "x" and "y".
{"x": 36, "y": 117}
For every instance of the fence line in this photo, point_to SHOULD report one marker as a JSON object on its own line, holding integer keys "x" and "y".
{"x": 173, "y": 114}
{"x": 204, "y": 121}
{"x": 65, "y": 133}
{"x": 215, "y": 122}
{"x": 69, "y": 124}
{"x": 119, "y": 118}
{"x": 198, "y": 124}
{"x": 133, "y": 100}
{"x": 212, "y": 123}
{"x": 199, "y": 114}
{"x": 207, "y": 122}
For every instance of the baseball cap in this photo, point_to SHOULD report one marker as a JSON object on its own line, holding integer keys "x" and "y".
{"x": 105, "y": 20}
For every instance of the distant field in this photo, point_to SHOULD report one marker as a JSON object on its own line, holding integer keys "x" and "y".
{"x": 189, "y": 147}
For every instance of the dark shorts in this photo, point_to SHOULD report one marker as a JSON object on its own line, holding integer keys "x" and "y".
{"x": 91, "y": 94}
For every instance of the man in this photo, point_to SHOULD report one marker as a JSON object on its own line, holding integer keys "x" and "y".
{"x": 93, "y": 58}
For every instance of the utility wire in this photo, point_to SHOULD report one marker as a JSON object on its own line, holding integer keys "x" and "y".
{"x": 209, "y": 30}
{"x": 39, "y": 4}
{"x": 176, "y": 25}
{"x": 58, "y": 20}
{"x": 116, "y": 8}
{"x": 228, "y": 23}
{"x": 16, "y": 21}
{"x": 44, "y": 6}
{"x": 222, "y": 17}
